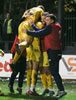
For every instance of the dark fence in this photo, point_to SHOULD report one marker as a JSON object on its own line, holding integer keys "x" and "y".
{"x": 69, "y": 33}
{"x": 70, "y": 29}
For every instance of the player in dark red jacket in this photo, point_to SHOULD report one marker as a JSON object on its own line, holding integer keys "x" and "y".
{"x": 53, "y": 46}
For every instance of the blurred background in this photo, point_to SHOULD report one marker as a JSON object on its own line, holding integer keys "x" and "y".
{"x": 65, "y": 10}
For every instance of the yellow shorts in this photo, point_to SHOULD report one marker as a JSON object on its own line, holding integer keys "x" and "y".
{"x": 37, "y": 54}
{"x": 30, "y": 54}
{"x": 44, "y": 60}
{"x": 36, "y": 48}
{"x": 33, "y": 54}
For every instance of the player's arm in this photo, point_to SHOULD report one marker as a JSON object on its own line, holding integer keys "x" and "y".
{"x": 42, "y": 32}
{"x": 35, "y": 27}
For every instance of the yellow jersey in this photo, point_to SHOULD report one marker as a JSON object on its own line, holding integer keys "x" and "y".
{"x": 36, "y": 40}
{"x": 22, "y": 35}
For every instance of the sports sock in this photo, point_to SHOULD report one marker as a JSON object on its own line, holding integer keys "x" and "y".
{"x": 34, "y": 73}
{"x": 29, "y": 77}
{"x": 49, "y": 81}
{"x": 44, "y": 80}
{"x": 0, "y": 92}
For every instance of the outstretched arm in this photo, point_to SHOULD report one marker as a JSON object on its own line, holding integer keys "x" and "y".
{"x": 35, "y": 27}
{"x": 42, "y": 32}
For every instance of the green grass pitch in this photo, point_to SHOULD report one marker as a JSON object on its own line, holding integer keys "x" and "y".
{"x": 71, "y": 92}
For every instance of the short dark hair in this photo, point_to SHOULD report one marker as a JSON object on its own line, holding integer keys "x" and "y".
{"x": 45, "y": 14}
{"x": 52, "y": 16}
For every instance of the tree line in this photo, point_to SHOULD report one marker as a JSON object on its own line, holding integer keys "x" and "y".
{"x": 17, "y": 7}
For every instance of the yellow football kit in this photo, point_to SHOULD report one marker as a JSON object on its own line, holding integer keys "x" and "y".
{"x": 36, "y": 44}
{"x": 35, "y": 13}
{"x": 44, "y": 62}
{"x": 33, "y": 52}
{"x": 23, "y": 36}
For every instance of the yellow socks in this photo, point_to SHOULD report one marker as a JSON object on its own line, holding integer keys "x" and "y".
{"x": 44, "y": 80}
{"x": 29, "y": 77}
{"x": 34, "y": 73}
{"x": 0, "y": 92}
{"x": 49, "y": 81}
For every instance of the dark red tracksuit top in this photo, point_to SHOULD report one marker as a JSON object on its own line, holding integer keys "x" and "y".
{"x": 53, "y": 40}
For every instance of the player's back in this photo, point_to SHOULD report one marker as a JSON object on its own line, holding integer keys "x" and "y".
{"x": 21, "y": 30}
